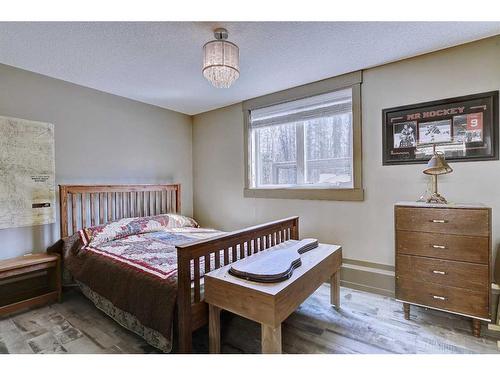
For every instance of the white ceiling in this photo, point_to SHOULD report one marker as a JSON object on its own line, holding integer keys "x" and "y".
{"x": 160, "y": 63}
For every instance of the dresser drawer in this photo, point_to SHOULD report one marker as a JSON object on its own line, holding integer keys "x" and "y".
{"x": 445, "y": 272}
{"x": 467, "y": 222}
{"x": 443, "y": 246}
{"x": 448, "y": 298}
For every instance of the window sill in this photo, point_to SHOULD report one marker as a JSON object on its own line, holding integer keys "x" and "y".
{"x": 356, "y": 194}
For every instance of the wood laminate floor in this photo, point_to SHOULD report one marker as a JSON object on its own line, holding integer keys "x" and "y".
{"x": 366, "y": 323}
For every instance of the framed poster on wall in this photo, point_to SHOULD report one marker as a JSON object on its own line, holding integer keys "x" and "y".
{"x": 464, "y": 128}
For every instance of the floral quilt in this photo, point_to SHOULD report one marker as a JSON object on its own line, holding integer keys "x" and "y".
{"x": 154, "y": 252}
{"x": 121, "y": 228}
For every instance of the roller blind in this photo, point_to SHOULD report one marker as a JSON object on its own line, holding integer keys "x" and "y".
{"x": 318, "y": 106}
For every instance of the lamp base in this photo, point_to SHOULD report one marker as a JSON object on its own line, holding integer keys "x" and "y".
{"x": 437, "y": 198}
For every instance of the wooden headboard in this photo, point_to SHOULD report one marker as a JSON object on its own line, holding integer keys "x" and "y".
{"x": 87, "y": 205}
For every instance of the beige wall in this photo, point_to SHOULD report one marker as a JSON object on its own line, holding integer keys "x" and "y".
{"x": 365, "y": 229}
{"x": 99, "y": 138}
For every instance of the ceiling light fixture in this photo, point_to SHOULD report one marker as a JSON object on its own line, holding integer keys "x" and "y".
{"x": 221, "y": 60}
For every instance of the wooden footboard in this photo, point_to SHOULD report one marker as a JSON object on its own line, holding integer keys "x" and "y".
{"x": 214, "y": 253}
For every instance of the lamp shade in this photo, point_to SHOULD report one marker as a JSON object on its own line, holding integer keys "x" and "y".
{"x": 437, "y": 165}
{"x": 221, "y": 60}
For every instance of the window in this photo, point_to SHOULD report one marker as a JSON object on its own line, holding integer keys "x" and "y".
{"x": 305, "y": 148}
{"x": 306, "y": 143}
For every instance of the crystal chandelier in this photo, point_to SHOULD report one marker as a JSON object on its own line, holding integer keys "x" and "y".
{"x": 221, "y": 60}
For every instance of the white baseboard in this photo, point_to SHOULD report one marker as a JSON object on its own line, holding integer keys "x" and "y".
{"x": 494, "y": 327}
{"x": 368, "y": 277}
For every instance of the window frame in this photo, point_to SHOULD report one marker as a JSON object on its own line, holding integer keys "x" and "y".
{"x": 356, "y": 193}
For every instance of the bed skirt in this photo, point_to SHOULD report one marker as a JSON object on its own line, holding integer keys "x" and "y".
{"x": 127, "y": 320}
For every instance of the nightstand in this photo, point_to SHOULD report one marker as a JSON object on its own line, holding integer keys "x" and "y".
{"x": 29, "y": 281}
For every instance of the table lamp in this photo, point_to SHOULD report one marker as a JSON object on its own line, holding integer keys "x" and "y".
{"x": 436, "y": 166}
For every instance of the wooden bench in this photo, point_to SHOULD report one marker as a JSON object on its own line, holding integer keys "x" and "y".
{"x": 271, "y": 303}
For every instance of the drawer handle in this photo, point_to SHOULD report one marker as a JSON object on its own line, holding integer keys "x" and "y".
{"x": 439, "y": 272}
{"x": 438, "y": 221}
{"x": 440, "y": 298}
{"x": 438, "y": 246}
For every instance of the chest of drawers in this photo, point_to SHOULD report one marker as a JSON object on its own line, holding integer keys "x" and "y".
{"x": 443, "y": 258}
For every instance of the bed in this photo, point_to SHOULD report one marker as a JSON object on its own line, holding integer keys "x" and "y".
{"x": 117, "y": 285}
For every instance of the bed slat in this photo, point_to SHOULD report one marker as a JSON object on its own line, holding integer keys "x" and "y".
{"x": 84, "y": 210}
{"x": 152, "y": 197}
{"x": 163, "y": 208}
{"x": 217, "y": 259}
{"x": 101, "y": 208}
{"x": 196, "y": 279}
{"x": 242, "y": 250}
{"x": 73, "y": 212}
{"x": 140, "y": 203}
{"x": 92, "y": 215}
{"x": 108, "y": 205}
{"x": 207, "y": 263}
